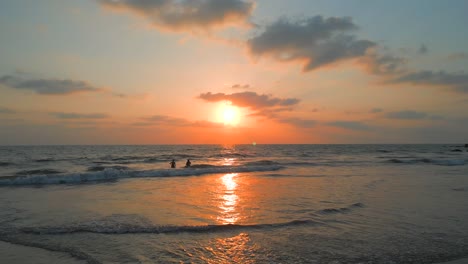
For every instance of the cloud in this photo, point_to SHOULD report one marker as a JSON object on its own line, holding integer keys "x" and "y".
{"x": 271, "y": 112}
{"x": 352, "y": 125}
{"x": 376, "y": 110}
{"x": 315, "y": 41}
{"x": 249, "y": 99}
{"x": 47, "y": 86}
{"x": 298, "y": 122}
{"x": 407, "y": 114}
{"x": 187, "y": 15}
{"x": 458, "y": 56}
{"x": 436, "y": 117}
{"x": 382, "y": 64}
{"x": 240, "y": 86}
{"x": 423, "y": 49}
{"x": 457, "y": 81}
{"x": 4, "y": 110}
{"x": 163, "y": 120}
{"x": 79, "y": 116}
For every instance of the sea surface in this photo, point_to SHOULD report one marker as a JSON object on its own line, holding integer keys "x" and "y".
{"x": 235, "y": 204}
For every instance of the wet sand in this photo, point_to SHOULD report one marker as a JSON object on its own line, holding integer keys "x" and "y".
{"x": 11, "y": 253}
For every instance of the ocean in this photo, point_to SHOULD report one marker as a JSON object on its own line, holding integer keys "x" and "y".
{"x": 235, "y": 204}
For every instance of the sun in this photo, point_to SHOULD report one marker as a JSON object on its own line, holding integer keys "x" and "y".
{"x": 230, "y": 115}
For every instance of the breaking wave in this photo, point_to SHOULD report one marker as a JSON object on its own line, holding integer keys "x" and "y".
{"x": 342, "y": 209}
{"x": 446, "y": 162}
{"x": 44, "y": 177}
{"x": 122, "y": 228}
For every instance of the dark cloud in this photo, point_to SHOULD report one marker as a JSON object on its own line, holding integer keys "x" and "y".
{"x": 47, "y": 86}
{"x": 249, "y": 99}
{"x": 240, "y": 86}
{"x": 4, "y": 110}
{"x": 167, "y": 120}
{"x": 298, "y": 122}
{"x": 457, "y": 81}
{"x": 352, "y": 125}
{"x": 383, "y": 64}
{"x": 79, "y": 116}
{"x": 181, "y": 15}
{"x": 407, "y": 114}
{"x": 423, "y": 49}
{"x": 316, "y": 41}
{"x": 163, "y": 120}
{"x": 437, "y": 117}
{"x": 376, "y": 110}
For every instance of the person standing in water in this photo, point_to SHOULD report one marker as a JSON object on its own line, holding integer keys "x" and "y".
{"x": 188, "y": 163}
{"x": 172, "y": 164}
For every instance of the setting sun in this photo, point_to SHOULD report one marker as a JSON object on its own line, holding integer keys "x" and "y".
{"x": 230, "y": 115}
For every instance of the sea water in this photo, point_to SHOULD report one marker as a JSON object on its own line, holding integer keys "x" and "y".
{"x": 235, "y": 204}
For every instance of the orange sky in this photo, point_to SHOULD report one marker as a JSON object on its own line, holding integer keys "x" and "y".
{"x": 128, "y": 72}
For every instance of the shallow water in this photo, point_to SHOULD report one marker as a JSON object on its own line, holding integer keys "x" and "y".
{"x": 246, "y": 204}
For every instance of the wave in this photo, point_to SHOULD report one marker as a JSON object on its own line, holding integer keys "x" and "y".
{"x": 45, "y": 160}
{"x": 43, "y": 177}
{"x": 457, "y": 162}
{"x": 384, "y": 151}
{"x": 230, "y": 155}
{"x": 122, "y": 228}
{"x": 101, "y": 168}
{"x": 4, "y": 164}
{"x": 128, "y": 159}
{"x": 75, "y": 253}
{"x": 304, "y": 163}
{"x": 456, "y": 150}
{"x": 261, "y": 163}
{"x": 40, "y": 171}
{"x": 201, "y": 166}
{"x": 342, "y": 209}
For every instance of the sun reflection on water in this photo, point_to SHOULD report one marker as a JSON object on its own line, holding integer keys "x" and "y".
{"x": 236, "y": 249}
{"x": 229, "y": 200}
{"x": 228, "y": 161}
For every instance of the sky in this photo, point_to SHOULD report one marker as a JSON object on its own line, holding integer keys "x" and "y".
{"x": 233, "y": 72}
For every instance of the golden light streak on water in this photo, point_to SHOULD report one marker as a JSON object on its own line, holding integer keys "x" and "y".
{"x": 229, "y": 200}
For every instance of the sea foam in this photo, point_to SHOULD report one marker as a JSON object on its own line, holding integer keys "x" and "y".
{"x": 110, "y": 174}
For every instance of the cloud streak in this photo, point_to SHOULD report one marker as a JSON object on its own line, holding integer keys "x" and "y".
{"x": 298, "y": 122}
{"x": 79, "y": 116}
{"x": 4, "y": 110}
{"x": 351, "y": 125}
{"x": 187, "y": 15}
{"x": 457, "y": 81}
{"x": 383, "y": 64}
{"x": 47, "y": 86}
{"x": 240, "y": 86}
{"x": 163, "y": 120}
{"x": 249, "y": 99}
{"x": 406, "y": 114}
{"x": 315, "y": 41}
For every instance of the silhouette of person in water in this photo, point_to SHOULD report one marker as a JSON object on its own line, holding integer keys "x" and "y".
{"x": 188, "y": 163}
{"x": 172, "y": 164}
